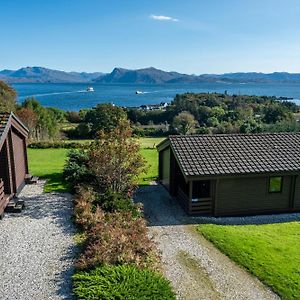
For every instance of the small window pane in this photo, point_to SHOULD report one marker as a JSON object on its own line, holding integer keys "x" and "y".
{"x": 275, "y": 184}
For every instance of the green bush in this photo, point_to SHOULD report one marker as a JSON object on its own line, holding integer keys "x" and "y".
{"x": 60, "y": 144}
{"x": 75, "y": 170}
{"x": 112, "y": 202}
{"x": 121, "y": 282}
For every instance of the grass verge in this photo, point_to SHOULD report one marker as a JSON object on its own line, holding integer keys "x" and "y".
{"x": 270, "y": 252}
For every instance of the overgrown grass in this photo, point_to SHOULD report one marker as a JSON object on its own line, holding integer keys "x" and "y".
{"x": 121, "y": 282}
{"x": 270, "y": 252}
{"x": 49, "y": 163}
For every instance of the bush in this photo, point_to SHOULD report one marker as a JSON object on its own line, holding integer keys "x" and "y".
{"x": 121, "y": 282}
{"x": 117, "y": 238}
{"x": 75, "y": 169}
{"x": 114, "y": 202}
{"x": 65, "y": 145}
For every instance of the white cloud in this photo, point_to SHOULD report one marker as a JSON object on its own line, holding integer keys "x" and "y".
{"x": 163, "y": 18}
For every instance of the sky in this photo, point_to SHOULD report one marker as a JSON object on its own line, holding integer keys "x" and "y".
{"x": 192, "y": 36}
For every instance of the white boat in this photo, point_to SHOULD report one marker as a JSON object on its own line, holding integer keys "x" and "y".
{"x": 138, "y": 92}
{"x": 90, "y": 89}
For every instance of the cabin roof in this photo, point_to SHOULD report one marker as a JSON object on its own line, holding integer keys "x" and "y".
{"x": 233, "y": 154}
{"x": 6, "y": 119}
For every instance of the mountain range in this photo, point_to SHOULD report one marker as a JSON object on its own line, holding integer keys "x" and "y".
{"x": 141, "y": 76}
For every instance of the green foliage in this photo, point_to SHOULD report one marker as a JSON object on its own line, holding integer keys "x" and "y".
{"x": 185, "y": 123}
{"x": 7, "y": 98}
{"x": 270, "y": 252}
{"x": 105, "y": 117}
{"x": 56, "y": 145}
{"x": 123, "y": 283}
{"x": 76, "y": 168}
{"x": 46, "y": 125}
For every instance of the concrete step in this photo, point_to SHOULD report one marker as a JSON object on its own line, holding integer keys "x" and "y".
{"x": 15, "y": 206}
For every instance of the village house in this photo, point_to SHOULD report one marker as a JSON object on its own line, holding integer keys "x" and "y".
{"x": 13, "y": 158}
{"x": 229, "y": 174}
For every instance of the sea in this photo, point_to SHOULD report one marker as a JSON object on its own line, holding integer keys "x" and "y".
{"x": 74, "y": 96}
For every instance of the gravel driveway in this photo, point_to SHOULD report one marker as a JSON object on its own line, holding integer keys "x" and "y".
{"x": 195, "y": 267}
{"x": 37, "y": 248}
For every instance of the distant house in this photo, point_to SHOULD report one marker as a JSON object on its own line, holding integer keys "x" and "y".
{"x": 162, "y": 106}
{"x": 232, "y": 174}
{"x": 13, "y": 157}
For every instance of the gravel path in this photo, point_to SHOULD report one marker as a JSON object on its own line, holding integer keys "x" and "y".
{"x": 195, "y": 267}
{"x": 37, "y": 247}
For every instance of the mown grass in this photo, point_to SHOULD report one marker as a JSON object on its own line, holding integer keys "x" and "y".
{"x": 271, "y": 252}
{"x": 49, "y": 163}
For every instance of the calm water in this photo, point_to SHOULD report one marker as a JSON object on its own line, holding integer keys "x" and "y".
{"x": 69, "y": 96}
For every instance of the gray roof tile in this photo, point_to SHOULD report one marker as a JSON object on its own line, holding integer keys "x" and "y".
{"x": 227, "y": 154}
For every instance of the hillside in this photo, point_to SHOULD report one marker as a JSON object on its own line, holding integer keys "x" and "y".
{"x": 43, "y": 75}
{"x": 141, "y": 76}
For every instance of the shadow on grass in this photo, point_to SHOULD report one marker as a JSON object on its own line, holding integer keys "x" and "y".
{"x": 56, "y": 183}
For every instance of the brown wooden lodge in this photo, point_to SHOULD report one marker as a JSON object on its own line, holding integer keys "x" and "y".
{"x": 229, "y": 174}
{"x": 13, "y": 158}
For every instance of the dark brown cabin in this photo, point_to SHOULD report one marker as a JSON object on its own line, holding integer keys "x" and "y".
{"x": 13, "y": 157}
{"x": 232, "y": 174}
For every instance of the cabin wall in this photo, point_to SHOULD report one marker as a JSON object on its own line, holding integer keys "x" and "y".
{"x": 165, "y": 167}
{"x": 250, "y": 195}
{"x": 19, "y": 159}
{"x": 297, "y": 193}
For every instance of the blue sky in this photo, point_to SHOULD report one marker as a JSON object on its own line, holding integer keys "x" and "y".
{"x": 192, "y": 36}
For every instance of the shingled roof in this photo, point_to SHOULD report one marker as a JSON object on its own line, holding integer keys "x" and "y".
{"x": 232, "y": 154}
{"x": 4, "y": 118}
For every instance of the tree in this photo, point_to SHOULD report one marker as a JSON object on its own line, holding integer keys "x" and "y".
{"x": 29, "y": 118}
{"x": 7, "y": 98}
{"x": 105, "y": 117}
{"x": 115, "y": 160}
{"x": 184, "y": 123}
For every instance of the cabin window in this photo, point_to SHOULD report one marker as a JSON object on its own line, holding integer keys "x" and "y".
{"x": 201, "y": 189}
{"x": 275, "y": 184}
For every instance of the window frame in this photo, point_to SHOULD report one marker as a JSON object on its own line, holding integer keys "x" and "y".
{"x": 269, "y": 185}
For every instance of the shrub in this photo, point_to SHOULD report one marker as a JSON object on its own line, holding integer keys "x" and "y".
{"x": 112, "y": 202}
{"x": 75, "y": 169}
{"x": 117, "y": 238}
{"x": 60, "y": 144}
{"x": 123, "y": 283}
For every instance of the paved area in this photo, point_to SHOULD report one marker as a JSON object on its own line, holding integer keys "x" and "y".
{"x": 195, "y": 267}
{"x": 37, "y": 248}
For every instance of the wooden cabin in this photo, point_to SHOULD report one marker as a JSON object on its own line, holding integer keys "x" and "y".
{"x": 232, "y": 174}
{"x": 13, "y": 157}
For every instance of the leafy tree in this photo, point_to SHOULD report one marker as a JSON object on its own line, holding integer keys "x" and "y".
{"x": 29, "y": 118}
{"x": 115, "y": 161}
{"x": 105, "y": 117}
{"x": 185, "y": 123}
{"x": 7, "y": 98}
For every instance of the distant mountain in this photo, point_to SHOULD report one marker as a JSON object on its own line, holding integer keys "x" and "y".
{"x": 146, "y": 76}
{"x": 43, "y": 75}
{"x": 155, "y": 76}
{"x": 140, "y": 76}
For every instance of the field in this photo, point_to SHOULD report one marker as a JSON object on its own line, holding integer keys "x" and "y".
{"x": 271, "y": 252}
{"x": 49, "y": 163}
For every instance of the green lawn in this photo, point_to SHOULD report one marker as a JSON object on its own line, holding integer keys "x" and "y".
{"x": 48, "y": 163}
{"x": 270, "y": 252}
{"x": 150, "y": 142}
